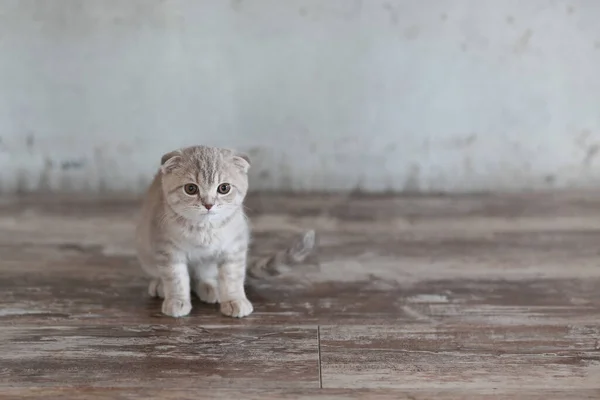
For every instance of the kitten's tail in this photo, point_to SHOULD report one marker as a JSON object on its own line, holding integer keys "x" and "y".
{"x": 294, "y": 254}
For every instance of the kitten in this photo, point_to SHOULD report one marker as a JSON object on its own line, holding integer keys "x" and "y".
{"x": 193, "y": 232}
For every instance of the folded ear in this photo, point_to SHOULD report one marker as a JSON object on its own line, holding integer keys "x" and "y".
{"x": 242, "y": 161}
{"x": 170, "y": 161}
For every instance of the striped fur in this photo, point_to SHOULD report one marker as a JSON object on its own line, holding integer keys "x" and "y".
{"x": 293, "y": 255}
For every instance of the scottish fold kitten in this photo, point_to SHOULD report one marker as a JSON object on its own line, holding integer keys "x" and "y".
{"x": 193, "y": 233}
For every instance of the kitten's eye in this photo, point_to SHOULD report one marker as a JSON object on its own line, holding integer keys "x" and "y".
{"x": 224, "y": 188}
{"x": 190, "y": 189}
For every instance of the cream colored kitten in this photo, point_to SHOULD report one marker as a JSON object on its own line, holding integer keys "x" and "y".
{"x": 193, "y": 232}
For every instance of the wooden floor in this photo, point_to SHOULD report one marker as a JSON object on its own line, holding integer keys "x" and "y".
{"x": 413, "y": 298}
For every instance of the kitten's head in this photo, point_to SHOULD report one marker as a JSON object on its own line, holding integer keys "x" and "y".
{"x": 202, "y": 182}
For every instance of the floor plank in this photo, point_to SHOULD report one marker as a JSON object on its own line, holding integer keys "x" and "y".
{"x": 298, "y": 394}
{"x": 461, "y": 357}
{"x": 179, "y": 356}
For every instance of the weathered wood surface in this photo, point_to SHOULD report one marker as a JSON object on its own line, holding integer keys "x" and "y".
{"x": 296, "y": 394}
{"x": 415, "y": 297}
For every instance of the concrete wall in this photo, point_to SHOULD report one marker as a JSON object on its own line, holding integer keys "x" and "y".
{"x": 402, "y": 95}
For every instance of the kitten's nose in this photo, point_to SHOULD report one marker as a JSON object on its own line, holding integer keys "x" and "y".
{"x": 208, "y": 206}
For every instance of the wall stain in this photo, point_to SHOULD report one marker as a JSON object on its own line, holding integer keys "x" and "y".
{"x": 99, "y": 165}
{"x": 124, "y": 148}
{"x": 581, "y": 139}
{"x": 264, "y": 174}
{"x": 22, "y": 186}
{"x": 443, "y": 17}
{"x": 550, "y": 179}
{"x": 66, "y": 184}
{"x": 412, "y": 32}
{"x": 142, "y": 183}
{"x": 254, "y": 153}
{"x": 340, "y": 157}
{"x": 392, "y": 12}
{"x": 44, "y": 182}
{"x": 464, "y": 141}
{"x": 236, "y": 5}
{"x": 43, "y": 185}
{"x": 411, "y": 184}
{"x": 590, "y": 149}
{"x": 570, "y": 10}
{"x": 464, "y": 47}
{"x": 359, "y": 189}
{"x": 597, "y": 44}
{"x": 468, "y": 165}
{"x": 510, "y": 19}
{"x": 102, "y": 185}
{"x": 72, "y": 164}
{"x": 590, "y": 154}
{"x": 347, "y": 9}
{"x": 522, "y": 44}
{"x": 30, "y": 142}
{"x": 286, "y": 181}
{"x": 303, "y": 12}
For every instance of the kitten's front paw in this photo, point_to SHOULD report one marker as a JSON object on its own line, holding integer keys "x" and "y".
{"x": 207, "y": 293}
{"x": 176, "y": 307}
{"x": 237, "y": 308}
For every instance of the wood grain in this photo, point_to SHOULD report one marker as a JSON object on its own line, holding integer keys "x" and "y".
{"x": 86, "y": 393}
{"x": 413, "y": 297}
{"x": 461, "y": 357}
{"x": 177, "y": 356}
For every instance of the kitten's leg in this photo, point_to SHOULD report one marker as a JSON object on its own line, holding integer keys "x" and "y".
{"x": 155, "y": 288}
{"x": 176, "y": 286}
{"x": 205, "y": 282}
{"x": 232, "y": 274}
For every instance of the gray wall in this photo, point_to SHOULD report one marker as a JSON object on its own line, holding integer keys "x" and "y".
{"x": 402, "y": 95}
